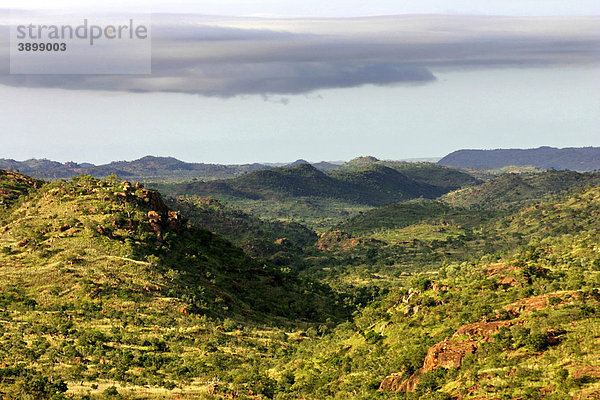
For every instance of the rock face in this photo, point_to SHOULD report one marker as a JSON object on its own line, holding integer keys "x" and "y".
{"x": 533, "y": 303}
{"x": 481, "y": 330}
{"x": 446, "y": 354}
{"x": 503, "y": 274}
{"x": 587, "y": 371}
{"x": 160, "y": 217}
{"x": 393, "y": 382}
{"x": 450, "y": 353}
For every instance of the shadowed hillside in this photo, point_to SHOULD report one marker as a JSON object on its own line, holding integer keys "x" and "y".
{"x": 13, "y": 185}
{"x": 270, "y": 239}
{"x": 422, "y": 172}
{"x": 372, "y": 184}
{"x": 512, "y": 190}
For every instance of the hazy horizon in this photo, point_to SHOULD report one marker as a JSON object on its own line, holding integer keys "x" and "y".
{"x": 504, "y": 108}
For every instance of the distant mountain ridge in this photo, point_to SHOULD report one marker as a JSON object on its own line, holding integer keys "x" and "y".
{"x": 573, "y": 158}
{"x": 152, "y": 168}
{"x": 148, "y": 167}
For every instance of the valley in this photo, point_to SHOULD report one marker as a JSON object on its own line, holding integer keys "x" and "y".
{"x": 371, "y": 280}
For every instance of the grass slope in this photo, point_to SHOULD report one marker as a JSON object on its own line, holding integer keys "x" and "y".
{"x": 101, "y": 284}
{"x": 401, "y": 215}
{"x": 525, "y": 325}
{"x": 513, "y": 190}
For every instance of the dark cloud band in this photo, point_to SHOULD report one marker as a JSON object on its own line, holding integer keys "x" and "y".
{"x": 220, "y": 58}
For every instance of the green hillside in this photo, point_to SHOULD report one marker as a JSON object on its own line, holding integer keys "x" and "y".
{"x": 522, "y": 325}
{"x": 422, "y": 172}
{"x": 299, "y": 180}
{"x": 108, "y": 292}
{"x": 378, "y": 184}
{"x": 513, "y": 190}
{"x": 359, "y": 162}
{"x": 260, "y": 238}
{"x": 101, "y": 284}
{"x": 304, "y": 194}
{"x": 433, "y": 174}
{"x": 401, "y": 215}
{"x": 13, "y": 185}
{"x": 373, "y": 184}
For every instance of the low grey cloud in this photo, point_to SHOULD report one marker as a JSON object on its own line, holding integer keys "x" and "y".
{"x": 252, "y": 56}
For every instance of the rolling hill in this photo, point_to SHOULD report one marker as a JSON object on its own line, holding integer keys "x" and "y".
{"x": 401, "y": 215}
{"x": 512, "y": 190}
{"x": 109, "y": 292}
{"x": 100, "y": 282}
{"x": 151, "y": 168}
{"x": 422, "y": 172}
{"x": 372, "y": 184}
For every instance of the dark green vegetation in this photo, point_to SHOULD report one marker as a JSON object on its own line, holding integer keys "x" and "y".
{"x": 259, "y": 238}
{"x": 321, "y": 200}
{"x": 401, "y": 215}
{"x": 573, "y": 158}
{"x": 373, "y": 185}
{"x": 491, "y": 291}
{"x": 513, "y": 190}
{"x": 422, "y": 172}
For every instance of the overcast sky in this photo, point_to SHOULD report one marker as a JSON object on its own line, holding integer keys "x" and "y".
{"x": 239, "y": 81}
{"x": 329, "y": 8}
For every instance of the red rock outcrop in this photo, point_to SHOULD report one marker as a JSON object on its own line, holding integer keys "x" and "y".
{"x": 446, "y": 354}
{"x": 481, "y": 330}
{"x": 587, "y": 371}
{"x": 159, "y": 215}
{"x": 450, "y": 353}
{"x": 533, "y": 303}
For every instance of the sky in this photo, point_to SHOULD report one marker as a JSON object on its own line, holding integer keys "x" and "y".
{"x": 271, "y": 81}
{"x": 330, "y": 8}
